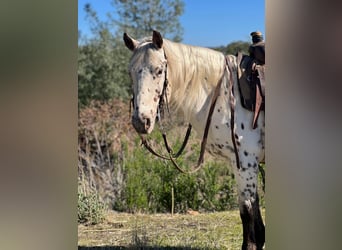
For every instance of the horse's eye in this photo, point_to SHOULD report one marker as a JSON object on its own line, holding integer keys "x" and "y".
{"x": 159, "y": 72}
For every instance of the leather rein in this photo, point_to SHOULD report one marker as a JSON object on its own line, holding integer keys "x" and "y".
{"x": 173, "y": 156}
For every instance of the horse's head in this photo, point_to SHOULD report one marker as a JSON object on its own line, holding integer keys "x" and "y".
{"x": 147, "y": 69}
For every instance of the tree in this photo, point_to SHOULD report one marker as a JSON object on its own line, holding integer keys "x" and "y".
{"x": 102, "y": 64}
{"x": 234, "y": 47}
{"x": 103, "y": 59}
{"x": 140, "y": 17}
{"x": 102, "y": 69}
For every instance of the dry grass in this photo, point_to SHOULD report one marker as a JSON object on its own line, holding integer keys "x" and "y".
{"x": 221, "y": 230}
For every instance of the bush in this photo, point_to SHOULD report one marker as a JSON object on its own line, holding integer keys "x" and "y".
{"x": 90, "y": 209}
{"x": 149, "y": 182}
{"x": 128, "y": 178}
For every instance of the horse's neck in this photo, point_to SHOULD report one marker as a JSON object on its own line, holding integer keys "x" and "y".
{"x": 194, "y": 75}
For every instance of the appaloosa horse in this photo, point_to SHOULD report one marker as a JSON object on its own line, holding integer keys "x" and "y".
{"x": 193, "y": 75}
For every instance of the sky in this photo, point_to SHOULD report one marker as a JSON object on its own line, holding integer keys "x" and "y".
{"x": 207, "y": 23}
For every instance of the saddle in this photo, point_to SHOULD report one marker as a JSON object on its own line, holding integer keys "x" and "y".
{"x": 251, "y": 75}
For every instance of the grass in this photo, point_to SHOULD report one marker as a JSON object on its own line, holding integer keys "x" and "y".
{"x": 221, "y": 230}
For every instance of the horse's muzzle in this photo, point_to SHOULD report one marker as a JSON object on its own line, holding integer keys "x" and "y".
{"x": 141, "y": 125}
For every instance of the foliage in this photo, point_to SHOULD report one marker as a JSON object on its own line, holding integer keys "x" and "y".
{"x": 128, "y": 178}
{"x": 140, "y": 17}
{"x": 91, "y": 210}
{"x": 102, "y": 69}
{"x": 103, "y": 59}
{"x": 234, "y": 47}
{"x": 103, "y": 129}
{"x": 149, "y": 182}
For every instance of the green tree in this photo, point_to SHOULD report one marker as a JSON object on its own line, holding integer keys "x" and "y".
{"x": 140, "y": 17}
{"x": 102, "y": 71}
{"x": 103, "y": 58}
{"x": 102, "y": 63}
{"x": 237, "y": 46}
{"x": 234, "y": 47}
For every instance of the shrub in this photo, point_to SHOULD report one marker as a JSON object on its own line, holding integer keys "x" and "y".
{"x": 114, "y": 165}
{"x": 91, "y": 210}
{"x": 149, "y": 182}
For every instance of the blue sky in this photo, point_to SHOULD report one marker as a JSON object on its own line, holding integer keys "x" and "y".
{"x": 207, "y": 23}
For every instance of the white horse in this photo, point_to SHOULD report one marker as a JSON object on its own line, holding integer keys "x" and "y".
{"x": 193, "y": 73}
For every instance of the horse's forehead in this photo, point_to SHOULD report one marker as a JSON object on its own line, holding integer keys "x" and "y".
{"x": 147, "y": 55}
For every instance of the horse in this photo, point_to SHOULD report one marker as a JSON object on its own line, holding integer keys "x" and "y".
{"x": 193, "y": 75}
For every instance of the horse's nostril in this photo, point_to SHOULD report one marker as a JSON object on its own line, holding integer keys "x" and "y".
{"x": 147, "y": 123}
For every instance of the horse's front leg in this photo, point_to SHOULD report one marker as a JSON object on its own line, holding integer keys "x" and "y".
{"x": 253, "y": 226}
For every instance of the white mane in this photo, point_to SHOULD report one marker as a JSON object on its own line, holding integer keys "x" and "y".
{"x": 192, "y": 73}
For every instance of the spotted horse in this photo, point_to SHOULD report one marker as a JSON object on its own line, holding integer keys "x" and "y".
{"x": 202, "y": 84}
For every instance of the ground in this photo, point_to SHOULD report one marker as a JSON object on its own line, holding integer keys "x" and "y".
{"x": 221, "y": 230}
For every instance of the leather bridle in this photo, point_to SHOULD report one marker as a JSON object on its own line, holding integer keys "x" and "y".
{"x": 160, "y": 114}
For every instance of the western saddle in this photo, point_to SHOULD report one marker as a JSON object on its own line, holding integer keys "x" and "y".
{"x": 251, "y": 74}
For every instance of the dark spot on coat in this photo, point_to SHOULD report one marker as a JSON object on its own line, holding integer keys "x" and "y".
{"x": 242, "y": 126}
{"x": 245, "y": 153}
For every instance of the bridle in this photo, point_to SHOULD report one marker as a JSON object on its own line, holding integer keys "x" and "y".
{"x": 160, "y": 115}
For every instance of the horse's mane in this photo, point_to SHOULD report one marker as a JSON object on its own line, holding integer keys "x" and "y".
{"x": 192, "y": 73}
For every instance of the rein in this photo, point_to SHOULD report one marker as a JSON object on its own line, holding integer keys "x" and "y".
{"x": 173, "y": 156}
{"x": 232, "y": 113}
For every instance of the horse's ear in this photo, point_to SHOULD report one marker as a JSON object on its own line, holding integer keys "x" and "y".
{"x": 157, "y": 39}
{"x": 130, "y": 43}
